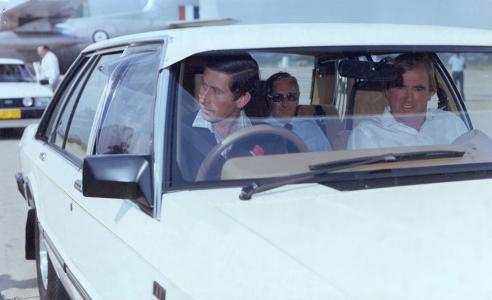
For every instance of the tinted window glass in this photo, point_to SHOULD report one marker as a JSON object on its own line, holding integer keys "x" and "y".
{"x": 83, "y": 116}
{"x": 128, "y": 122}
{"x": 355, "y": 103}
{"x": 63, "y": 98}
{"x": 61, "y": 127}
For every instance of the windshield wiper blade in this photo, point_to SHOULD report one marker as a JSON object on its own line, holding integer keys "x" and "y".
{"x": 387, "y": 157}
{"x": 325, "y": 168}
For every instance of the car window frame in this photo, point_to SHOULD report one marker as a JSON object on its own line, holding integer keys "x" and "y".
{"x": 111, "y": 90}
{"x": 84, "y": 78}
{"x": 100, "y": 104}
{"x": 161, "y": 129}
{"x": 175, "y": 70}
{"x": 93, "y": 59}
{"x": 76, "y": 71}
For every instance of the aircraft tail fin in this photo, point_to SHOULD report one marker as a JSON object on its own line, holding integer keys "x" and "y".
{"x": 200, "y": 23}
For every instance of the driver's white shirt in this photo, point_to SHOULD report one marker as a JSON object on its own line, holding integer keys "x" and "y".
{"x": 382, "y": 131}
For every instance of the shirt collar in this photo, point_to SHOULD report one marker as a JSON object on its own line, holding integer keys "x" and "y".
{"x": 276, "y": 122}
{"x": 389, "y": 120}
{"x": 241, "y": 122}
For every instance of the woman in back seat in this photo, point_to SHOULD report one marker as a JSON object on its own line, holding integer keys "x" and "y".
{"x": 283, "y": 97}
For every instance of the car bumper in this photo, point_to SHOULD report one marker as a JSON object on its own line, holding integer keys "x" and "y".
{"x": 27, "y": 117}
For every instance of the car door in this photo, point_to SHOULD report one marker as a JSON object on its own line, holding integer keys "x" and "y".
{"x": 50, "y": 163}
{"x": 63, "y": 139}
{"x": 110, "y": 236}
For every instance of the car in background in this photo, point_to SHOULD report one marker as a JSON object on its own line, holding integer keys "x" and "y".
{"x": 114, "y": 212}
{"x": 22, "y": 98}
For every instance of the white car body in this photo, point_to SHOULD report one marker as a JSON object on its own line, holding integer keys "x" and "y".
{"x": 298, "y": 241}
{"x": 14, "y": 113}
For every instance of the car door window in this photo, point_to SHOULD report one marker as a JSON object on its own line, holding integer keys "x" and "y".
{"x": 59, "y": 135}
{"x": 53, "y": 110}
{"x": 80, "y": 121}
{"x": 128, "y": 121}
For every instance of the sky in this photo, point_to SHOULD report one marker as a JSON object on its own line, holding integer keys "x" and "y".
{"x": 101, "y": 7}
{"x": 473, "y": 13}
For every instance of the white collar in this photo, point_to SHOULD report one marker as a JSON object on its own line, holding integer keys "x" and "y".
{"x": 241, "y": 122}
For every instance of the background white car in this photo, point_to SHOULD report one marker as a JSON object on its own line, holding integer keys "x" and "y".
{"x": 22, "y": 98}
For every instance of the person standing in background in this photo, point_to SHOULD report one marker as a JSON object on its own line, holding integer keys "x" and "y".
{"x": 49, "y": 66}
{"x": 458, "y": 65}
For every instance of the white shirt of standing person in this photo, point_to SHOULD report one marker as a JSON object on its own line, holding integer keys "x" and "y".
{"x": 457, "y": 63}
{"x": 51, "y": 69}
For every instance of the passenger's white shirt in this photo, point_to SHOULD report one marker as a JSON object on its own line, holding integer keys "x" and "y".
{"x": 440, "y": 128}
{"x": 51, "y": 69}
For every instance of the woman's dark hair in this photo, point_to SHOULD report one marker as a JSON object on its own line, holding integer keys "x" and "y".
{"x": 243, "y": 68}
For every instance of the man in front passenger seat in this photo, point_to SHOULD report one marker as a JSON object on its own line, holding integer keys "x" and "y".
{"x": 408, "y": 121}
{"x": 283, "y": 96}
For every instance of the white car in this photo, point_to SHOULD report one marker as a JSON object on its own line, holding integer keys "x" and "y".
{"x": 22, "y": 98}
{"x": 118, "y": 212}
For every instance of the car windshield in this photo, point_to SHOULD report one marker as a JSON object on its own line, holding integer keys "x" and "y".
{"x": 15, "y": 73}
{"x": 260, "y": 115}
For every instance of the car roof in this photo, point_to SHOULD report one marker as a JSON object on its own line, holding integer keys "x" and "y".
{"x": 10, "y": 61}
{"x": 189, "y": 41}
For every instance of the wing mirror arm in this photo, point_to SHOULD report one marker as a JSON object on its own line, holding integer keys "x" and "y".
{"x": 119, "y": 176}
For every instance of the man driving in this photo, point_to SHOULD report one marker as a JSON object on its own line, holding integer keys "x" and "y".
{"x": 226, "y": 87}
{"x": 408, "y": 121}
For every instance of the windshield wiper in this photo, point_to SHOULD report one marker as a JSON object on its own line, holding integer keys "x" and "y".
{"x": 262, "y": 185}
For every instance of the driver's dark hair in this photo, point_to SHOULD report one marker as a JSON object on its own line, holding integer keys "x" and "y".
{"x": 409, "y": 61}
{"x": 243, "y": 68}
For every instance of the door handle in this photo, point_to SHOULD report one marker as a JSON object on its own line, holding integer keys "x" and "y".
{"x": 42, "y": 156}
{"x": 78, "y": 185}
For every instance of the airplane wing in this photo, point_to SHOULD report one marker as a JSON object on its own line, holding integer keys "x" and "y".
{"x": 18, "y": 13}
{"x": 199, "y": 23}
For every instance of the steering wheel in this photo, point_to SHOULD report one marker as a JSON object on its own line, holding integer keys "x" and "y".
{"x": 240, "y": 136}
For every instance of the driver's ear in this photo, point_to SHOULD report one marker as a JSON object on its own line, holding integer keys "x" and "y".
{"x": 243, "y": 100}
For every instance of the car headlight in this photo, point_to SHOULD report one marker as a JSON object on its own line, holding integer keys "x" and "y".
{"x": 27, "y": 101}
{"x": 42, "y": 101}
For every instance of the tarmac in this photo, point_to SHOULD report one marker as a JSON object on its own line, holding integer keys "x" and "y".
{"x": 17, "y": 275}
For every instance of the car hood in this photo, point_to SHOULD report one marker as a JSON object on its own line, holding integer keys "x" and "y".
{"x": 23, "y": 89}
{"x": 428, "y": 241}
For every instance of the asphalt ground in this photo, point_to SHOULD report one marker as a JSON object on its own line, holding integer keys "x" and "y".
{"x": 17, "y": 275}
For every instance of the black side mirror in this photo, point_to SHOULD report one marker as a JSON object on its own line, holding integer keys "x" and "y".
{"x": 119, "y": 176}
{"x": 44, "y": 82}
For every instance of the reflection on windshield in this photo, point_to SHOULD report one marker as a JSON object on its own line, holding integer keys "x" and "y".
{"x": 15, "y": 73}
{"x": 270, "y": 116}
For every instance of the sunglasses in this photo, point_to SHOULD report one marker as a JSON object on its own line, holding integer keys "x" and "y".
{"x": 291, "y": 97}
